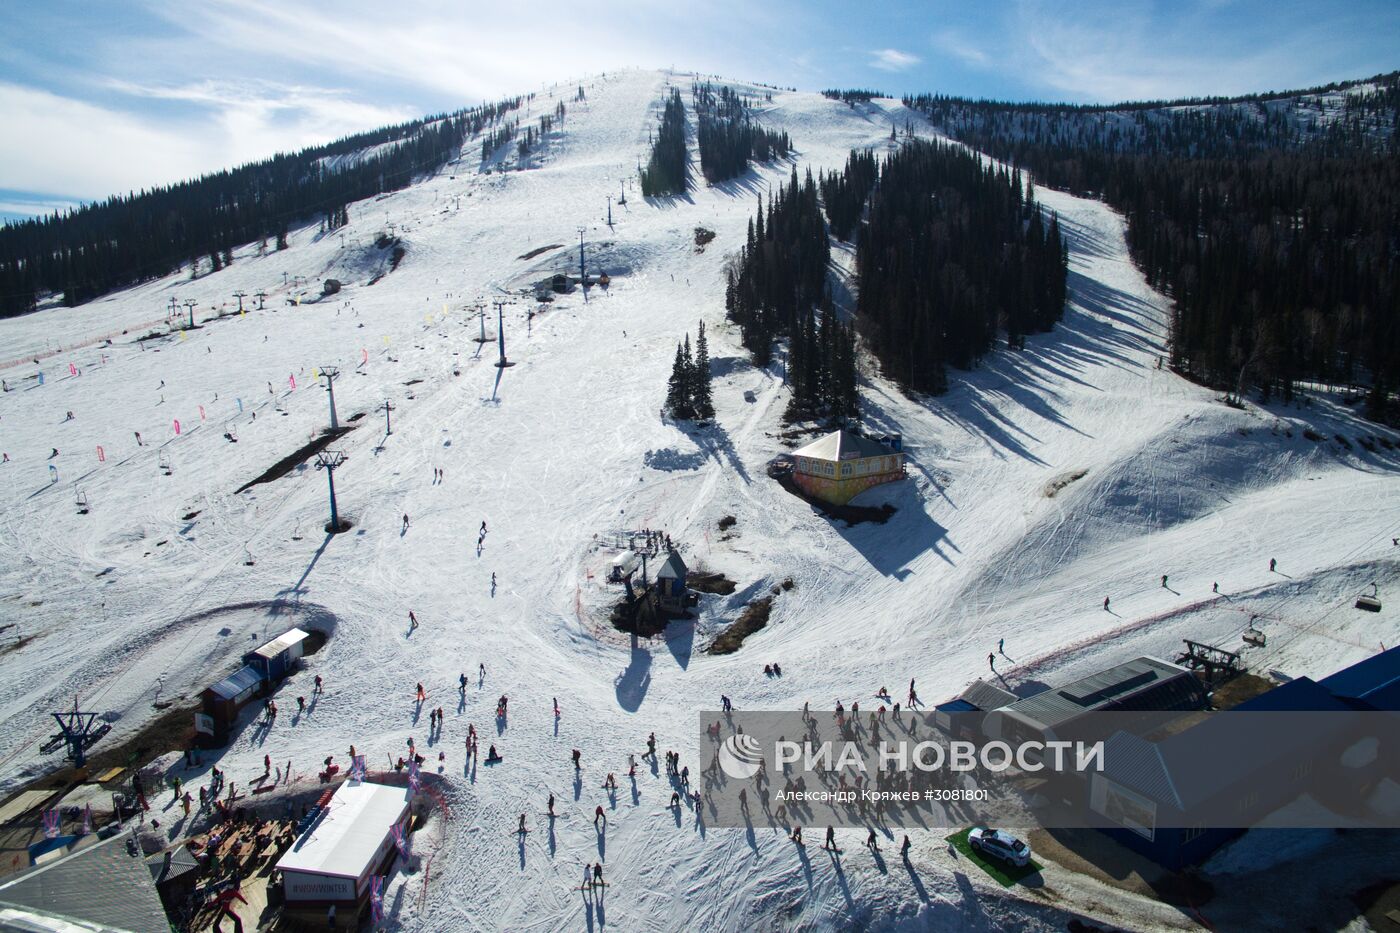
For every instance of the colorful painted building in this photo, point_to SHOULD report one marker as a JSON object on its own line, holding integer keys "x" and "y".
{"x": 842, "y": 465}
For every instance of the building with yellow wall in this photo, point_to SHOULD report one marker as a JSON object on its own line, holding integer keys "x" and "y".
{"x": 841, "y": 465}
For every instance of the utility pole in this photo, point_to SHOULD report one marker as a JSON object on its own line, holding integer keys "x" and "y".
{"x": 330, "y": 372}
{"x": 260, "y": 296}
{"x": 623, "y": 185}
{"x": 174, "y": 310}
{"x": 387, "y": 428}
{"x": 240, "y": 295}
{"x": 284, "y": 280}
{"x": 189, "y": 306}
{"x": 330, "y": 459}
{"x": 610, "y": 223}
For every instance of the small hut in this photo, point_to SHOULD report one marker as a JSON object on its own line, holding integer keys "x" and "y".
{"x": 670, "y": 583}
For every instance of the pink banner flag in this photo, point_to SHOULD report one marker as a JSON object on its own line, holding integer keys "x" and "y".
{"x": 397, "y": 832}
{"x": 101, "y": 454}
{"x": 364, "y": 356}
{"x": 72, "y": 370}
{"x": 293, "y": 380}
{"x": 50, "y": 824}
{"x": 376, "y": 897}
{"x": 201, "y": 413}
{"x": 177, "y": 425}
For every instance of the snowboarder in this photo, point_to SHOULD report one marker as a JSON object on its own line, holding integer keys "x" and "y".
{"x": 777, "y": 671}
{"x": 598, "y": 871}
{"x": 53, "y": 453}
{"x": 796, "y": 835}
{"x": 577, "y": 765}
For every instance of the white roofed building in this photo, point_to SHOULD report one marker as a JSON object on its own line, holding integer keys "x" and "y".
{"x": 351, "y": 842}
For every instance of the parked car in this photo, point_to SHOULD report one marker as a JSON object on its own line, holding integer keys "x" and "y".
{"x": 999, "y": 845}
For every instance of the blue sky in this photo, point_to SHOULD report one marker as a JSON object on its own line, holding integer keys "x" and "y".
{"x": 107, "y": 96}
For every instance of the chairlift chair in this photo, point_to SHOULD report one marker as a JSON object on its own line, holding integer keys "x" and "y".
{"x": 1253, "y": 636}
{"x": 1370, "y": 603}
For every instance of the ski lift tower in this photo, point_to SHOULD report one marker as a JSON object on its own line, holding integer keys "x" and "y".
{"x": 501, "y": 363}
{"x": 76, "y": 729}
{"x": 329, "y": 460}
{"x": 330, "y": 372}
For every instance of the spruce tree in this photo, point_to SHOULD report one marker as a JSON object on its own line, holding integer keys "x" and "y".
{"x": 676, "y": 400}
{"x": 704, "y": 404}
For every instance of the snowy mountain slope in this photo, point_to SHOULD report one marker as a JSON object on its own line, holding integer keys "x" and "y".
{"x": 567, "y": 445}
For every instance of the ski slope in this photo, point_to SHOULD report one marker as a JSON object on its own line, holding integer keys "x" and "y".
{"x": 151, "y": 595}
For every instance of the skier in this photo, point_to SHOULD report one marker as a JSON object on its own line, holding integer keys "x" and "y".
{"x": 556, "y": 707}
{"x": 412, "y": 618}
{"x": 1164, "y": 581}
{"x": 777, "y": 671}
{"x": 871, "y": 842}
{"x": 522, "y": 824}
{"x": 796, "y": 835}
{"x": 598, "y": 871}
{"x": 551, "y": 806}
{"x": 421, "y": 694}
{"x": 1272, "y": 562}
{"x": 405, "y": 521}
{"x": 138, "y": 439}
{"x": 53, "y": 453}
{"x": 317, "y": 688}
{"x": 830, "y": 838}
{"x": 1215, "y": 587}
{"x": 577, "y": 765}
{"x": 631, "y": 765}
{"x": 1105, "y": 603}
{"x": 301, "y": 704}
{"x": 1001, "y": 646}
{"x": 651, "y": 746}
{"x": 904, "y": 848}
{"x": 267, "y": 764}
{"x": 598, "y": 814}
{"x": 483, "y": 529}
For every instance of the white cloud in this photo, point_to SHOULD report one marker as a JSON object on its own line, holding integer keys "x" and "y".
{"x": 951, "y": 43}
{"x": 892, "y": 60}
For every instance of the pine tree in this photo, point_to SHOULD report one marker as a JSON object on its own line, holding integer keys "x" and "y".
{"x": 704, "y": 404}
{"x": 677, "y": 401}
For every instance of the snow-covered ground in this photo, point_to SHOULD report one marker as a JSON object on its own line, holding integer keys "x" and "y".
{"x": 150, "y": 596}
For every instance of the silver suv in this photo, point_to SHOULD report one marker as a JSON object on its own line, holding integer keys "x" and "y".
{"x": 1000, "y": 845}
